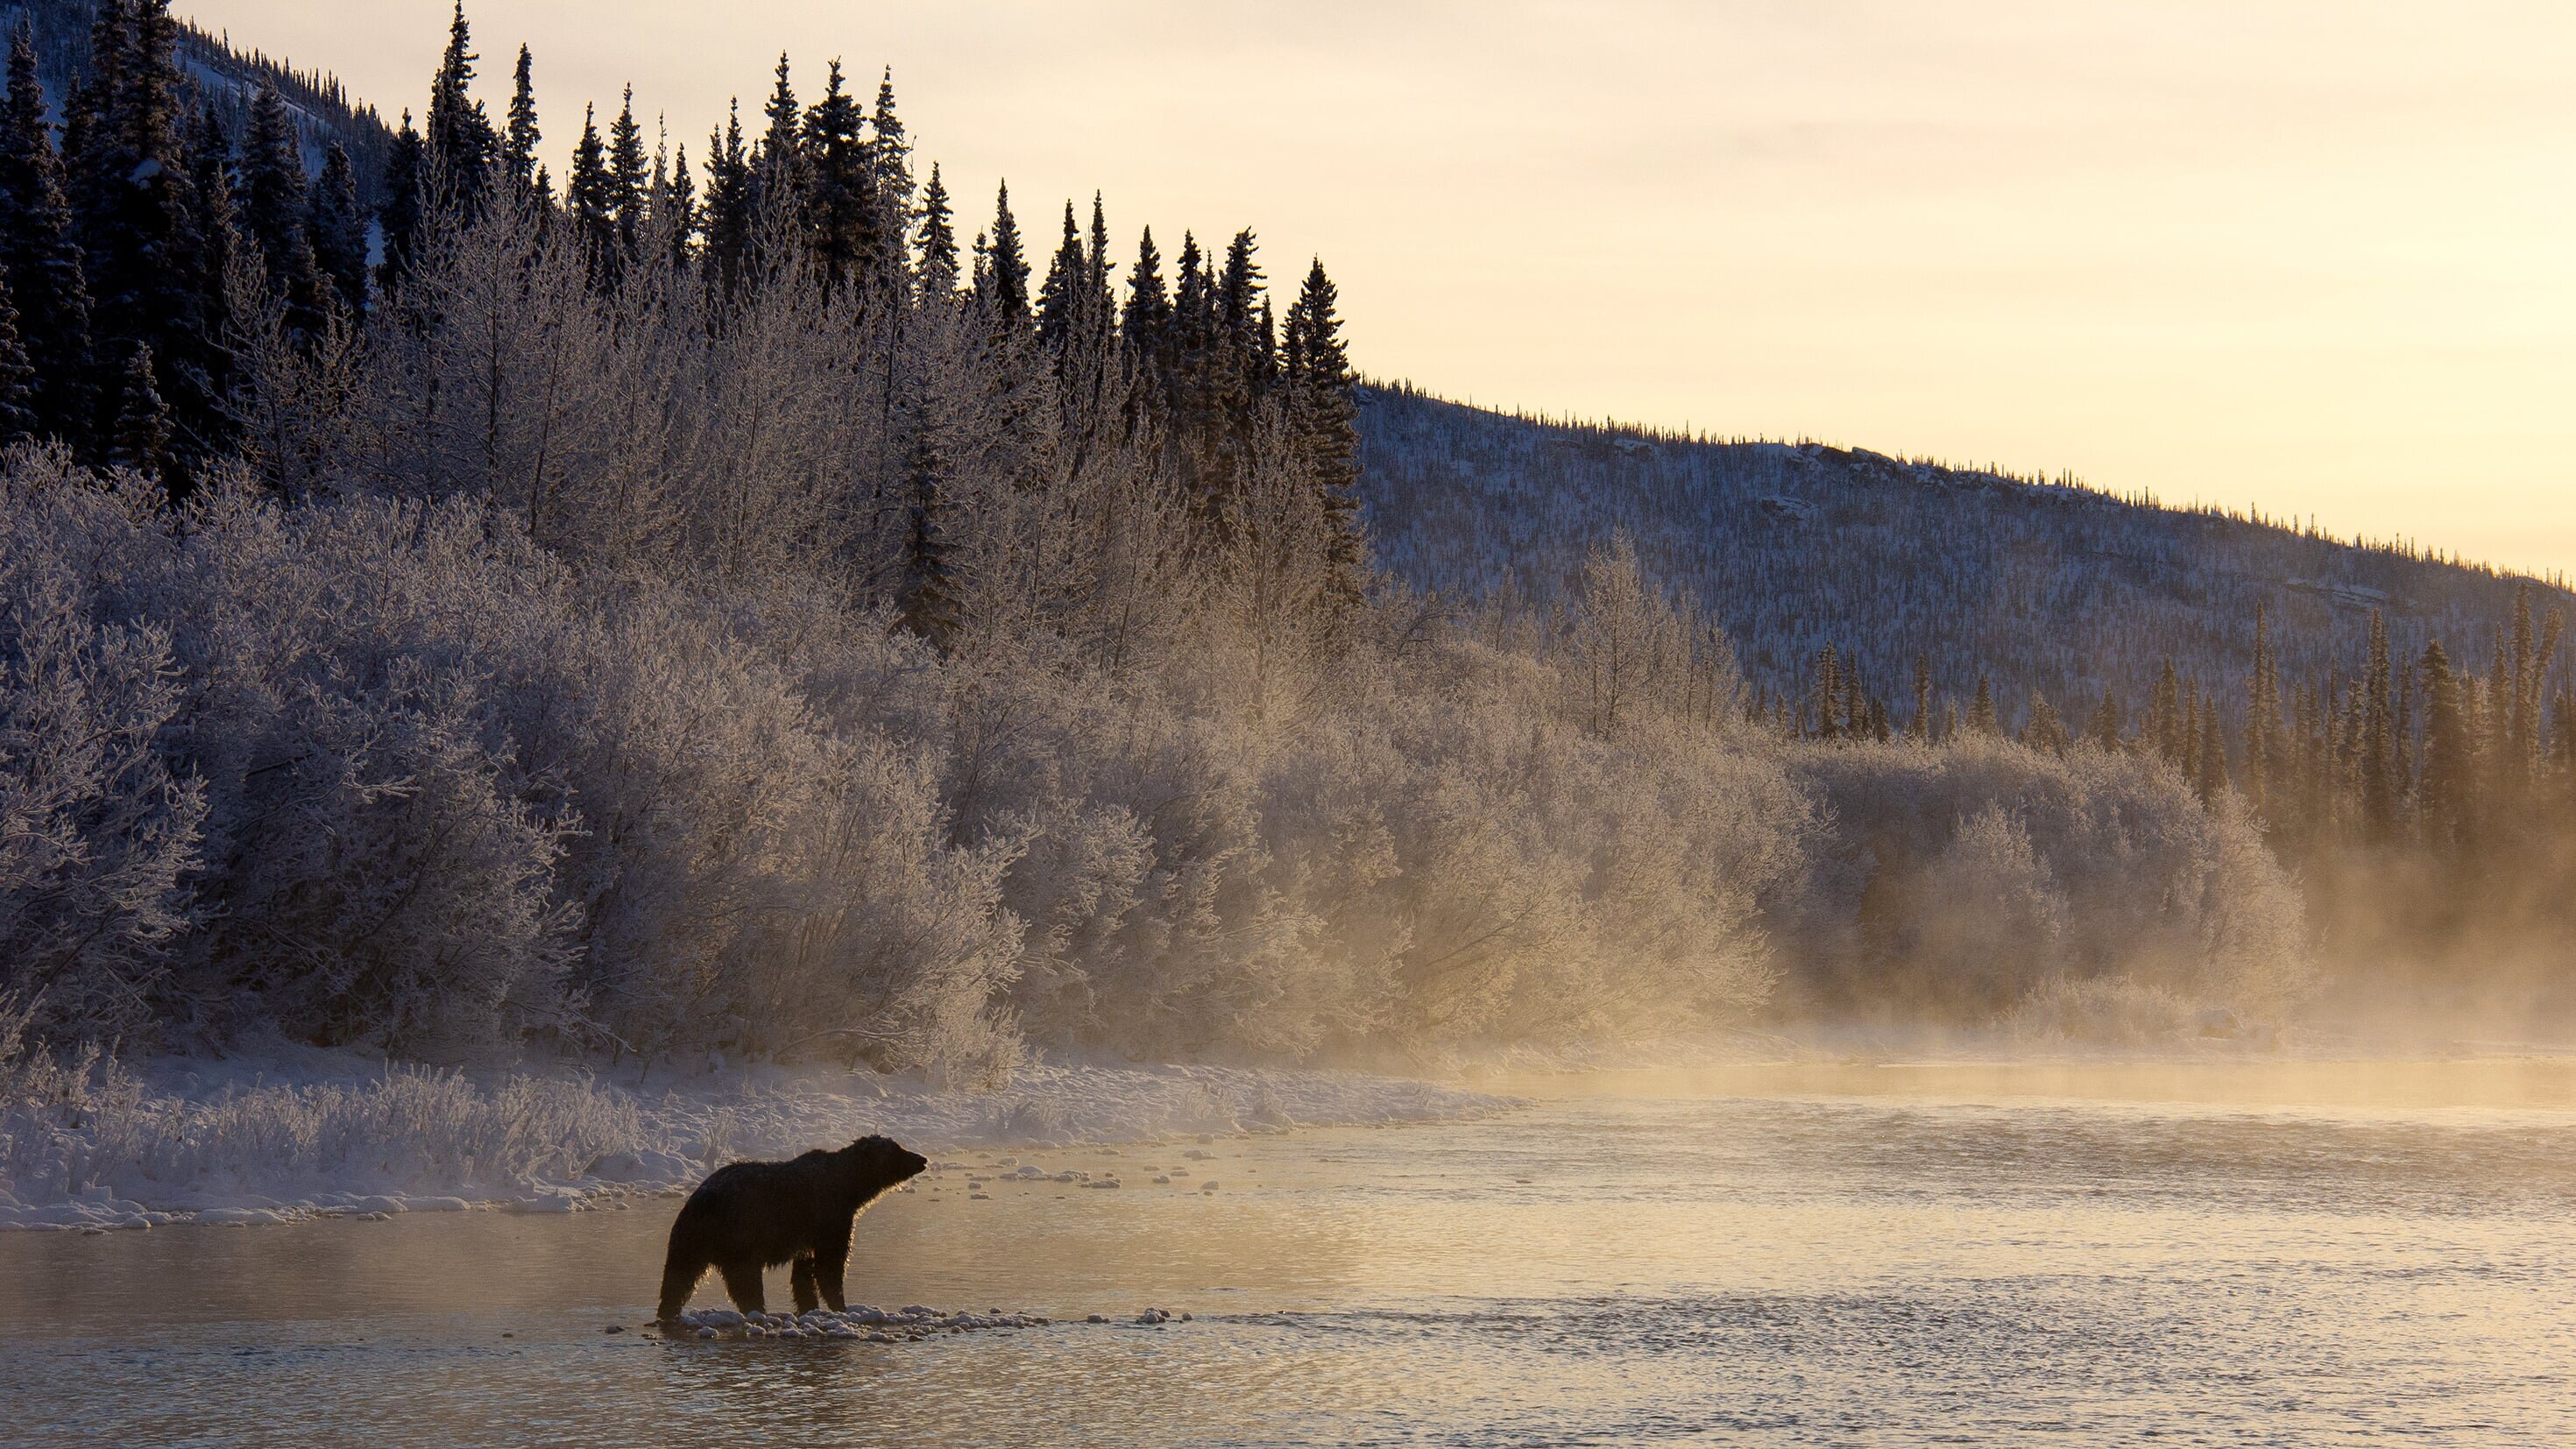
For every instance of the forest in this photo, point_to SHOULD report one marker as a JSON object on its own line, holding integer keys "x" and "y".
{"x": 739, "y": 603}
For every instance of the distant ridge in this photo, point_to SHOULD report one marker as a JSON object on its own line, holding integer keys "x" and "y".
{"x": 322, "y": 107}
{"x": 1797, "y": 546}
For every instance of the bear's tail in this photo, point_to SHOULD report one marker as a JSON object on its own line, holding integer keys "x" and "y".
{"x": 680, "y": 1274}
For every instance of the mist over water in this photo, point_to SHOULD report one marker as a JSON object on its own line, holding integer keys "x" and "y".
{"x": 2226, "y": 1253}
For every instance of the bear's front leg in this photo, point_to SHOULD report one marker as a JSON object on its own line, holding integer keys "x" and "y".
{"x": 800, "y": 1278}
{"x": 830, "y": 1259}
{"x": 742, "y": 1283}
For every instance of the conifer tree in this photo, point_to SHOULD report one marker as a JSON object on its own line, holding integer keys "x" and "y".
{"x": 338, "y": 228}
{"x": 40, "y": 259}
{"x": 1060, "y": 298}
{"x": 2262, "y": 717}
{"x": 731, "y": 210}
{"x": 841, "y": 215}
{"x": 2104, "y": 728}
{"x": 1323, "y": 425}
{"x": 629, "y": 179}
{"x": 1981, "y": 711}
{"x": 591, "y": 196}
{"x": 2377, "y": 738}
{"x": 406, "y": 202}
{"x": 1918, "y": 728}
{"x": 275, "y": 209}
{"x": 519, "y": 141}
{"x": 1006, "y": 270}
{"x": 1147, "y": 320}
{"x": 1827, "y": 693}
{"x": 460, "y": 141}
{"x": 135, "y": 196}
{"x": 140, "y": 437}
{"x": 2212, "y": 777}
{"x": 2443, "y": 788}
{"x": 890, "y": 177}
{"x": 937, "y": 240}
{"x": 2043, "y": 730}
{"x": 676, "y": 198}
{"x": 18, "y": 417}
{"x": 778, "y": 161}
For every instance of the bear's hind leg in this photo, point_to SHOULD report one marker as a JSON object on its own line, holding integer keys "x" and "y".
{"x": 742, "y": 1283}
{"x": 800, "y": 1278}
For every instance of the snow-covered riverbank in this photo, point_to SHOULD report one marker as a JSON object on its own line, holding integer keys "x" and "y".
{"x": 284, "y": 1140}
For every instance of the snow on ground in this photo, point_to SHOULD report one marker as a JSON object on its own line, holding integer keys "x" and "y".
{"x": 306, "y": 1136}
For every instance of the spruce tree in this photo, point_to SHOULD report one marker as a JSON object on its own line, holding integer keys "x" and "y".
{"x": 1060, "y": 299}
{"x": 1324, "y": 428}
{"x": 338, "y": 227}
{"x": 678, "y": 201}
{"x": 2212, "y": 777}
{"x": 2377, "y": 738}
{"x": 135, "y": 196}
{"x": 519, "y": 142}
{"x": 778, "y": 162}
{"x": 591, "y": 197}
{"x": 1006, "y": 271}
{"x": 937, "y": 240}
{"x": 731, "y": 210}
{"x": 2104, "y": 729}
{"x": 40, "y": 259}
{"x": 405, "y": 208}
{"x": 274, "y": 212}
{"x": 2043, "y": 730}
{"x": 461, "y": 144}
{"x": 1919, "y": 727}
{"x": 629, "y": 178}
{"x": 1147, "y": 319}
{"x": 841, "y": 215}
{"x": 18, "y": 416}
{"x": 890, "y": 176}
{"x": 139, "y": 439}
{"x": 1981, "y": 711}
{"x": 2443, "y": 789}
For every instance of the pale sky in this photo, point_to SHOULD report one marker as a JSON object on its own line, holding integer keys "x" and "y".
{"x": 2314, "y": 255}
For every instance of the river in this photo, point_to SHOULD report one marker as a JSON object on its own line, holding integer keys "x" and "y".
{"x": 2213, "y": 1254}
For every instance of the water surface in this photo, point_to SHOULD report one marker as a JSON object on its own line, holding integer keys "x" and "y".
{"x": 1821, "y": 1255}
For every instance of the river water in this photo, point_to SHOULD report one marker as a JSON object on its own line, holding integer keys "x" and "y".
{"x": 2212, "y": 1254}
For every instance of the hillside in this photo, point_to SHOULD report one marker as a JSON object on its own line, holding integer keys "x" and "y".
{"x": 323, "y": 110}
{"x": 1793, "y": 547}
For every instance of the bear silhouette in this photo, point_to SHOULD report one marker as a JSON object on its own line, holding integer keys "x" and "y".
{"x": 753, "y": 1215}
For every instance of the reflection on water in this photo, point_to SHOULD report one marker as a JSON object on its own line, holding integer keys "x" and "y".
{"x": 2223, "y": 1254}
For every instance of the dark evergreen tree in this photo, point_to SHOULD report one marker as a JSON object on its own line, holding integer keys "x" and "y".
{"x": 1919, "y": 728}
{"x": 676, "y": 199}
{"x": 1981, "y": 712}
{"x": 2449, "y": 771}
{"x": 461, "y": 144}
{"x": 40, "y": 259}
{"x": 135, "y": 196}
{"x": 778, "y": 162}
{"x": 629, "y": 178}
{"x": 1147, "y": 321}
{"x": 731, "y": 210}
{"x": 937, "y": 240}
{"x": 2043, "y": 730}
{"x": 2104, "y": 728}
{"x": 18, "y": 417}
{"x": 841, "y": 215}
{"x": 890, "y": 178}
{"x": 592, "y": 198}
{"x": 405, "y": 208}
{"x": 1061, "y": 314}
{"x": 139, "y": 438}
{"x": 2377, "y": 739}
{"x": 1323, "y": 425}
{"x": 338, "y": 228}
{"x": 519, "y": 142}
{"x": 274, "y": 212}
{"x": 1006, "y": 269}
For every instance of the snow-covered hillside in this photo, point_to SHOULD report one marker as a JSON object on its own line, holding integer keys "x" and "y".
{"x": 1793, "y": 547}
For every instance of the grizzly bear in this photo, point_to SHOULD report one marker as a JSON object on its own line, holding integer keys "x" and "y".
{"x": 754, "y": 1215}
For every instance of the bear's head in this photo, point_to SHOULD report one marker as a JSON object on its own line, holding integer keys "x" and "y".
{"x": 881, "y": 1162}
